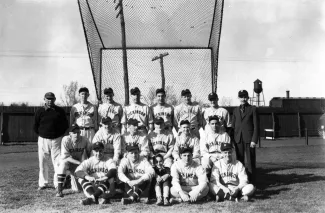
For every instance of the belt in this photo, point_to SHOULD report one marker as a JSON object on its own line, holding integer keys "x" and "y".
{"x": 86, "y": 128}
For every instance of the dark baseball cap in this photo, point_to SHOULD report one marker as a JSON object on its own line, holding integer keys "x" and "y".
{"x": 161, "y": 90}
{"x": 184, "y": 122}
{"x": 133, "y": 122}
{"x": 108, "y": 91}
{"x": 212, "y": 96}
{"x": 135, "y": 91}
{"x": 159, "y": 120}
{"x": 185, "y": 92}
{"x": 185, "y": 149}
{"x": 243, "y": 94}
{"x": 106, "y": 120}
{"x": 130, "y": 148}
{"x": 98, "y": 146}
{"x": 225, "y": 147}
{"x": 214, "y": 117}
{"x": 49, "y": 95}
{"x": 74, "y": 127}
{"x": 83, "y": 89}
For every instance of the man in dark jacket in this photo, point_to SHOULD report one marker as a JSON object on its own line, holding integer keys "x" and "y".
{"x": 246, "y": 129}
{"x": 50, "y": 124}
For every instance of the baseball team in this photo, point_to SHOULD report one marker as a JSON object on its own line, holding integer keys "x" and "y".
{"x": 182, "y": 154}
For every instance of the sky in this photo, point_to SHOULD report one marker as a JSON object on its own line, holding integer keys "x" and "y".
{"x": 42, "y": 48}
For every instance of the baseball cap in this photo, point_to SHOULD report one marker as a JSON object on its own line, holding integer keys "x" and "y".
{"x": 212, "y": 96}
{"x": 184, "y": 122}
{"x": 243, "y": 94}
{"x": 161, "y": 90}
{"x": 83, "y": 89}
{"x": 49, "y": 95}
{"x": 74, "y": 127}
{"x": 133, "y": 122}
{"x": 185, "y": 149}
{"x": 225, "y": 147}
{"x": 98, "y": 145}
{"x": 108, "y": 91}
{"x": 106, "y": 120}
{"x": 135, "y": 91}
{"x": 185, "y": 92}
{"x": 130, "y": 148}
{"x": 159, "y": 120}
{"x": 214, "y": 117}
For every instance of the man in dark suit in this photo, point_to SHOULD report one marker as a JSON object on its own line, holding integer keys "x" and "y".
{"x": 246, "y": 129}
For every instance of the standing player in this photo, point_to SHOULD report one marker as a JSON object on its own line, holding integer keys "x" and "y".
{"x": 97, "y": 176}
{"x": 73, "y": 152}
{"x": 161, "y": 142}
{"x": 214, "y": 109}
{"x": 188, "y": 111}
{"x": 50, "y": 125}
{"x": 136, "y": 173}
{"x": 138, "y": 111}
{"x": 111, "y": 109}
{"x": 246, "y": 129}
{"x": 186, "y": 140}
{"x": 189, "y": 179}
{"x": 163, "y": 110}
{"x": 229, "y": 179}
{"x": 211, "y": 142}
{"x": 111, "y": 139}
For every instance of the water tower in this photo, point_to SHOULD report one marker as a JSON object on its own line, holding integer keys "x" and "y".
{"x": 258, "y": 99}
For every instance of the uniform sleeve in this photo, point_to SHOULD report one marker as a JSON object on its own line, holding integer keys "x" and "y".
{"x": 201, "y": 174}
{"x": 171, "y": 141}
{"x": 72, "y": 116}
{"x": 149, "y": 171}
{"x": 81, "y": 170}
{"x": 176, "y": 149}
{"x": 97, "y": 137}
{"x": 215, "y": 176}
{"x": 121, "y": 171}
{"x": 100, "y": 113}
{"x": 176, "y": 117}
{"x": 203, "y": 146}
{"x": 196, "y": 148}
{"x": 64, "y": 149}
{"x": 150, "y": 116}
{"x": 110, "y": 165}
{"x": 123, "y": 120}
{"x": 37, "y": 121}
{"x": 227, "y": 119}
{"x": 117, "y": 146}
{"x": 242, "y": 176}
{"x": 175, "y": 180}
{"x": 204, "y": 122}
{"x": 144, "y": 146}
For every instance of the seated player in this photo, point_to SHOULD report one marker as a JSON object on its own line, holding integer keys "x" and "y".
{"x": 161, "y": 142}
{"x": 136, "y": 173}
{"x": 229, "y": 179}
{"x": 211, "y": 142}
{"x": 189, "y": 179}
{"x": 96, "y": 176}
{"x": 162, "y": 183}
{"x": 134, "y": 137}
{"x": 110, "y": 138}
{"x": 186, "y": 140}
{"x": 73, "y": 152}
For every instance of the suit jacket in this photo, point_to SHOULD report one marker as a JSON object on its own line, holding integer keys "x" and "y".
{"x": 246, "y": 124}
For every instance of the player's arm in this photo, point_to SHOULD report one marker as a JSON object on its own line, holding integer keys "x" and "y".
{"x": 81, "y": 170}
{"x": 170, "y": 146}
{"x": 196, "y": 148}
{"x": 202, "y": 178}
{"x": 121, "y": 171}
{"x": 149, "y": 173}
{"x": 176, "y": 151}
{"x": 167, "y": 175}
{"x": 175, "y": 178}
{"x": 144, "y": 144}
{"x": 150, "y": 119}
{"x": 176, "y": 119}
{"x": 117, "y": 147}
{"x": 124, "y": 121}
{"x": 242, "y": 176}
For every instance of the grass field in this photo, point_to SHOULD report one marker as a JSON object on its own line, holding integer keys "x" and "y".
{"x": 290, "y": 179}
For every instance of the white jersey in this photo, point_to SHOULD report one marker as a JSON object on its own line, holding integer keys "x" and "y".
{"x": 210, "y": 143}
{"x": 229, "y": 173}
{"x": 191, "y": 175}
{"x": 84, "y": 115}
{"x": 161, "y": 143}
{"x": 112, "y": 110}
{"x": 222, "y": 114}
{"x": 190, "y": 141}
{"x": 128, "y": 170}
{"x": 139, "y": 139}
{"x": 192, "y": 113}
{"x": 112, "y": 142}
{"x": 74, "y": 149}
{"x": 164, "y": 111}
{"x": 140, "y": 112}
{"x": 95, "y": 168}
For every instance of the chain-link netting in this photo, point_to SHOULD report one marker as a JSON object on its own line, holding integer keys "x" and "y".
{"x": 189, "y": 30}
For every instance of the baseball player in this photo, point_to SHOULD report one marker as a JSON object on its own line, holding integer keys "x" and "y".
{"x": 188, "y": 111}
{"x": 111, "y": 109}
{"x": 163, "y": 110}
{"x": 136, "y": 174}
{"x": 50, "y": 125}
{"x": 190, "y": 182}
{"x": 161, "y": 141}
{"x": 211, "y": 142}
{"x": 111, "y": 139}
{"x": 229, "y": 179}
{"x": 138, "y": 111}
{"x": 84, "y": 115}
{"x": 96, "y": 176}
{"x": 186, "y": 140}
{"x": 134, "y": 137}
{"x": 73, "y": 152}
{"x": 214, "y": 109}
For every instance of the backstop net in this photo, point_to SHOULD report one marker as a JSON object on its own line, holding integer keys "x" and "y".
{"x": 186, "y": 32}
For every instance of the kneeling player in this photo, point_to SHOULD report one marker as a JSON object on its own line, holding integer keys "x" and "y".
{"x": 136, "y": 173}
{"x": 189, "y": 179}
{"x": 229, "y": 179}
{"x": 97, "y": 177}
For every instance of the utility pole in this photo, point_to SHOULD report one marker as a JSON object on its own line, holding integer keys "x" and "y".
{"x": 161, "y": 57}
{"x": 125, "y": 63}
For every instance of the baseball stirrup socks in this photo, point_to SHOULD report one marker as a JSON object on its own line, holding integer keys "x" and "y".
{"x": 61, "y": 178}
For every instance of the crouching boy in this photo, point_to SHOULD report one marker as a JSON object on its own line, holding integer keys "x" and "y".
{"x": 162, "y": 181}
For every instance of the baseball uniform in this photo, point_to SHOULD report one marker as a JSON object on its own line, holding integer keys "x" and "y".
{"x": 164, "y": 111}
{"x": 114, "y": 111}
{"x": 222, "y": 114}
{"x": 162, "y": 143}
{"x": 190, "y": 141}
{"x": 140, "y": 112}
{"x": 139, "y": 139}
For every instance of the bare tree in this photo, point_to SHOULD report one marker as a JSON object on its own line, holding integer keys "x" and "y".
{"x": 151, "y": 96}
{"x": 225, "y": 101}
{"x": 171, "y": 96}
{"x": 70, "y": 94}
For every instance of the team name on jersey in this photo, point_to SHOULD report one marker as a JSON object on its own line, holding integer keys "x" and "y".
{"x": 188, "y": 175}
{"x": 133, "y": 112}
{"x": 107, "y": 141}
{"x": 76, "y": 150}
{"x": 214, "y": 143}
{"x": 161, "y": 114}
{"x": 95, "y": 170}
{"x": 159, "y": 142}
{"x": 228, "y": 175}
{"x": 140, "y": 171}
{"x": 187, "y": 114}
{"x": 111, "y": 111}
